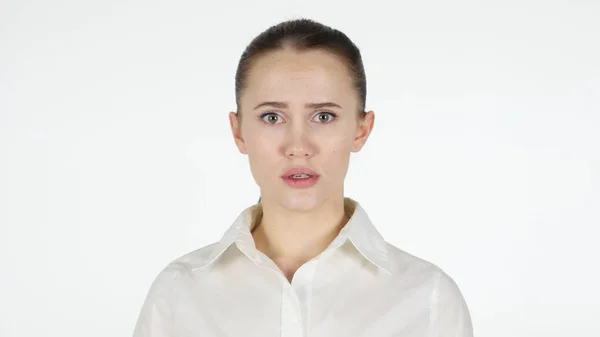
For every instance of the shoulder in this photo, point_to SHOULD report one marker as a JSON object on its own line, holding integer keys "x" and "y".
{"x": 196, "y": 259}
{"x": 422, "y": 272}
{"x": 170, "y": 287}
{"x": 182, "y": 268}
{"x": 405, "y": 264}
{"x": 190, "y": 262}
{"x": 449, "y": 313}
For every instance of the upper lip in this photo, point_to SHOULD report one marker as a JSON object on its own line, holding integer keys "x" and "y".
{"x": 299, "y": 170}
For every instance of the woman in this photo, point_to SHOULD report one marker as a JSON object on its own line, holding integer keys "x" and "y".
{"x": 305, "y": 260}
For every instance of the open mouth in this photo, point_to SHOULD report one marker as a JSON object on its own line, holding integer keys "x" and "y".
{"x": 300, "y": 176}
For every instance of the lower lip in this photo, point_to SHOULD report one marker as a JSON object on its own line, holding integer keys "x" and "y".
{"x": 301, "y": 183}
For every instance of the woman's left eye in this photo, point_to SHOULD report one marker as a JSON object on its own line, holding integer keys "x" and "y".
{"x": 325, "y": 117}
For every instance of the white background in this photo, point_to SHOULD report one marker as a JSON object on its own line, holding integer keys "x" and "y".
{"x": 116, "y": 155}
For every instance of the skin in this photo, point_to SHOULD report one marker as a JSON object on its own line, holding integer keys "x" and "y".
{"x": 298, "y": 224}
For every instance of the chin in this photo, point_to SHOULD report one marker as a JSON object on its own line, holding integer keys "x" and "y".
{"x": 300, "y": 203}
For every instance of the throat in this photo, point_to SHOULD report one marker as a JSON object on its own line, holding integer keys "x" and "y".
{"x": 291, "y": 239}
{"x": 289, "y": 249}
{"x": 288, "y": 267}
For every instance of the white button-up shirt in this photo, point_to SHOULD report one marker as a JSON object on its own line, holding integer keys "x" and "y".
{"x": 359, "y": 286}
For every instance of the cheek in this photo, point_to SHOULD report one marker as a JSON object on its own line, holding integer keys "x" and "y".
{"x": 262, "y": 152}
{"x": 258, "y": 142}
{"x": 336, "y": 154}
{"x": 338, "y": 141}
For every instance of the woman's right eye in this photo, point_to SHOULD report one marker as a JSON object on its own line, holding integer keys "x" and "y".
{"x": 271, "y": 118}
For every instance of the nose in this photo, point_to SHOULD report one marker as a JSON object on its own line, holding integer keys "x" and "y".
{"x": 298, "y": 152}
{"x": 298, "y": 145}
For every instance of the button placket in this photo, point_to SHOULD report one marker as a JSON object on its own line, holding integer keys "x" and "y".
{"x": 291, "y": 313}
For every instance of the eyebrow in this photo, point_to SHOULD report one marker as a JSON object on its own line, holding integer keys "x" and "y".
{"x": 283, "y": 105}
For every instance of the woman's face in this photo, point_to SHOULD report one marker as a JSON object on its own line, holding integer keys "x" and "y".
{"x": 300, "y": 110}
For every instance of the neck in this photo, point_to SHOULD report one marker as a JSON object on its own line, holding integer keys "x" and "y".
{"x": 297, "y": 237}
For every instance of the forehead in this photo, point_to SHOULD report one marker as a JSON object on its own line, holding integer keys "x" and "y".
{"x": 299, "y": 76}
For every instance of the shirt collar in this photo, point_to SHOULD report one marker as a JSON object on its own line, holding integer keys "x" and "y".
{"x": 359, "y": 230}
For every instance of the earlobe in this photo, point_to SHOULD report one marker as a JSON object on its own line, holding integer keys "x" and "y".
{"x": 234, "y": 123}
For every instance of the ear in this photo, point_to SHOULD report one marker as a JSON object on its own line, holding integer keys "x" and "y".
{"x": 365, "y": 126}
{"x": 234, "y": 122}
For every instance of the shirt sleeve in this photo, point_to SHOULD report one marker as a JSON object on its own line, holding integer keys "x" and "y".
{"x": 449, "y": 315}
{"x": 156, "y": 316}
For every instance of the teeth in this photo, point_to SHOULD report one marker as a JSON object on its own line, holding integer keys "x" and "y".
{"x": 300, "y": 176}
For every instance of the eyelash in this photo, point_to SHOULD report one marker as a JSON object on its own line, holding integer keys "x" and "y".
{"x": 332, "y": 114}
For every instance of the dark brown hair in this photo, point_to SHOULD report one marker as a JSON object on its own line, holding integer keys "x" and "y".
{"x": 303, "y": 34}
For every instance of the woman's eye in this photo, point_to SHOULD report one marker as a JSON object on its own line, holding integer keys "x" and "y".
{"x": 271, "y": 118}
{"x": 325, "y": 117}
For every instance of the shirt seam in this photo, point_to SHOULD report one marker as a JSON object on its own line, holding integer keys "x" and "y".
{"x": 433, "y": 307}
